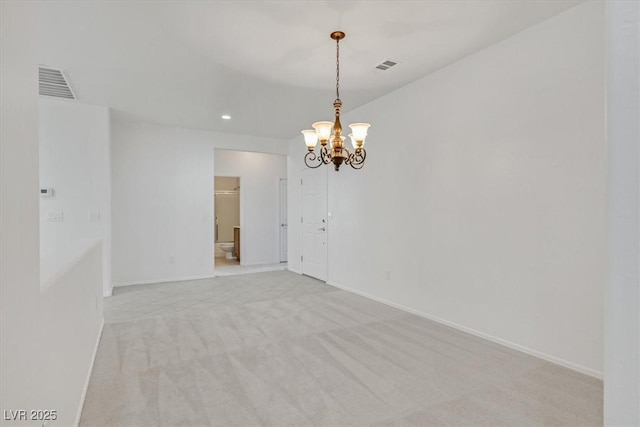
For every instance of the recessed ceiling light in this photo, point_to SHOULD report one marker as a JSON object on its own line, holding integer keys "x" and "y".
{"x": 226, "y": 117}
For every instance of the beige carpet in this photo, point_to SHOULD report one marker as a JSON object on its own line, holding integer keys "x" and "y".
{"x": 281, "y": 349}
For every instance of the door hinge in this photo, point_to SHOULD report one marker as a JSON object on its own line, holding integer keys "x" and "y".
{"x": 300, "y": 181}
{"x": 301, "y": 258}
{"x": 301, "y": 219}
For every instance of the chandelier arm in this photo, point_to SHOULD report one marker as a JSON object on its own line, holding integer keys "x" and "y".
{"x": 353, "y": 159}
{"x": 348, "y": 158}
{"x": 357, "y": 164}
{"x": 325, "y": 155}
{"x": 310, "y": 158}
{"x": 362, "y": 155}
{"x": 356, "y": 160}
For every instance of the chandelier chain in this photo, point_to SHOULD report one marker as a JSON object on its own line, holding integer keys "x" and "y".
{"x": 337, "y": 69}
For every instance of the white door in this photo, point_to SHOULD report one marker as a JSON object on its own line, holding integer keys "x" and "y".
{"x": 283, "y": 220}
{"x": 314, "y": 223}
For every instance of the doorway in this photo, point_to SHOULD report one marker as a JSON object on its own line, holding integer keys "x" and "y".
{"x": 314, "y": 223}
{"x": 227, "y": 221}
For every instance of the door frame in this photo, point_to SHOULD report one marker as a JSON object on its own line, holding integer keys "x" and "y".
{"x": 284, "y": 250}
{"x": 326, "y": 197}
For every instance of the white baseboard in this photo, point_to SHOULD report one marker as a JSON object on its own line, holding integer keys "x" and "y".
{"x": 164, "y": 280}
{"x": 256, "y": 263}
{"x": 86, "y": 383}
{"x": 294, "y": 270}
{"x": 512, "y": 345}
{"x": 182, "y": 279}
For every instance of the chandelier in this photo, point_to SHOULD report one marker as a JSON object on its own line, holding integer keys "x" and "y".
{"x": 332, "y": 149}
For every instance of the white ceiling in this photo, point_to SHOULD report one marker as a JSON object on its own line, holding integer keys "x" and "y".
{"x": 269, "y": 64}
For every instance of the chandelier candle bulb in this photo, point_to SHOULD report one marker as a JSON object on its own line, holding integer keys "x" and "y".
{"x": 359, "y": 131}
{"x": 336, "y": 152}
{"x": 310, "y": 138}
{"x": 324, "y": 131}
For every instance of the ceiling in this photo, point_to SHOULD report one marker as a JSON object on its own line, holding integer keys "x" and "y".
{"x": 268, "y": 64}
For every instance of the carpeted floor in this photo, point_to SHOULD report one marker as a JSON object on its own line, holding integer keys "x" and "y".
{"x": 282, "y": 349}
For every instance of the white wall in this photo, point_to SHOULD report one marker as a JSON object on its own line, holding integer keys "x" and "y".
{"x": 19, "y": 235}
{"x": 75, "y": 162}
{"x": 295, "y": 165}
{"x": 622, "y": 333}
{"x": 260, "y": 176}
{"x": 162, "y": 199}
{"x": 48, "y": 336}
{"x": 484, "y": 194}
{"x": 70, "y": 314}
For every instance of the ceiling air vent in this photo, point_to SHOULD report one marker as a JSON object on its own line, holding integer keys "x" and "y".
{"x": 386, "y": 65}
{"x": 53, "y": 82}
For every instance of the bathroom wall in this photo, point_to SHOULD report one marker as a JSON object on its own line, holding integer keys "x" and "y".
{"x": 227, "y": 207}
{"x": 226, "y": 183}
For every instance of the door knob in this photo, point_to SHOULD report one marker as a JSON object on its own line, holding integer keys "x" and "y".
{"x": 321, "y": 229}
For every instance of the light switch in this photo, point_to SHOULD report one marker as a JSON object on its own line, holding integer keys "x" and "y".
{"x": 55, "y": 216}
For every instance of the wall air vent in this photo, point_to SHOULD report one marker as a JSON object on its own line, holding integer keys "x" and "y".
{"x": 386, "y": 65}
{"x": 53, "y": 82}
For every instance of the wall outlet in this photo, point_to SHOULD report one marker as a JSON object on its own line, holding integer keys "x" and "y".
{"x": 94, "y": 216}
{"x": 55, "y": 216}
{"x": 387, "y": 274}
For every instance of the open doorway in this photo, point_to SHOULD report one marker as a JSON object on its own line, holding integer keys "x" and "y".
{"x": 227, "y": 220}
{"x": 261, "y": 236}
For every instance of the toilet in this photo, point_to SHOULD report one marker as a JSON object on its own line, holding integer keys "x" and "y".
{"x": 228, "y": 249}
